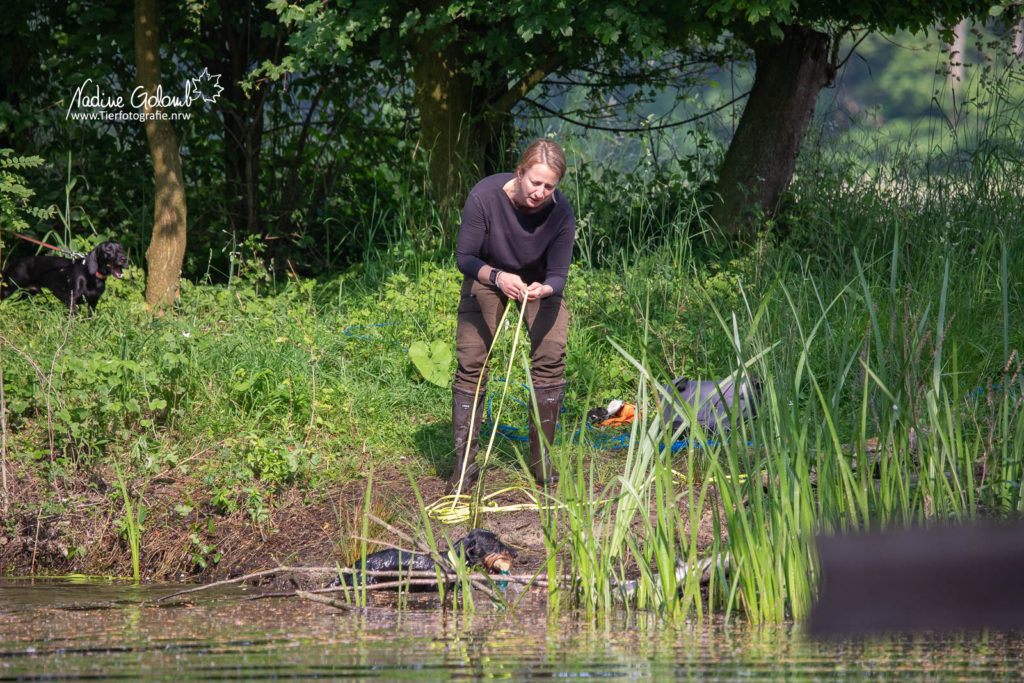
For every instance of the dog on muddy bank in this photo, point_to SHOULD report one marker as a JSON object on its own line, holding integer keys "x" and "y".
{"x": 71, "y": 280}
{"x": 481, "y": 548}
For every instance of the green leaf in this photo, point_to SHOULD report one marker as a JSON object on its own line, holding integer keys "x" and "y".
{"x": 433, "y": 363}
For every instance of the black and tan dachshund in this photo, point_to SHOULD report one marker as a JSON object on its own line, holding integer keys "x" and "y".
{"x": 480, "y": 548}
{"x": 71, "y": 280}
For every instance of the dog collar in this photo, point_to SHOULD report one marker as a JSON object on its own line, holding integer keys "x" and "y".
{"x": 100, "y": 275}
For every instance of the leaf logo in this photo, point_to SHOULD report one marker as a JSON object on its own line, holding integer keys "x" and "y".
{"x": 206, "y": 86}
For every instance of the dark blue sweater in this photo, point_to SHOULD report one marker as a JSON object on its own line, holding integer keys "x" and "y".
{"x": 536, "y": 246}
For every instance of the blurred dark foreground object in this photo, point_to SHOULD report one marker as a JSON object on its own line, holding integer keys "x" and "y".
{"x": 940, "y": 579}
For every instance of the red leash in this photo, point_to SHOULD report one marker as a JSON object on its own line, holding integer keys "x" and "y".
{"x": 50, "y": 246}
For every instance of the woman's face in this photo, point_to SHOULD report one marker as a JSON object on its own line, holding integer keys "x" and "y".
{"x": 536, "y": 183}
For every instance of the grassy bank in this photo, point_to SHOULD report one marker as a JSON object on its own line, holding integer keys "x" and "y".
{"x": 882, "y": 317}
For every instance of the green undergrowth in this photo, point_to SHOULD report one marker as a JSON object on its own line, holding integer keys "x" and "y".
{"x": 874, "y": 311}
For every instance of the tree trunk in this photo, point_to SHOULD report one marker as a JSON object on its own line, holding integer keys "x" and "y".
{"x": 166, "y": 251}
{"x": 243, "y": 140}
{"x": 464, "y": 127}
{"x": 237, "y": 28}
{"x": 465, "y": 120}
{"x": 450, "y": 132}
{"x": 759, "y": 163}
{"x": 957, "y": 49}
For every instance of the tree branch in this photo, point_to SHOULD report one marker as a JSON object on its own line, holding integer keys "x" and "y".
{"x": 640, "y": 129}
{"x": 524, "y": 85}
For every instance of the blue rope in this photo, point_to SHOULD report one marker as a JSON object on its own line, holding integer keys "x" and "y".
{"x": 591, "y": 437}
{"x": 994, "y": 387}
{"x": 586, "y": 434}
{"x": 348, "y": 333}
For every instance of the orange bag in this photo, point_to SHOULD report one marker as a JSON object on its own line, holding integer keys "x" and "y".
{"x": 624, "y": 416}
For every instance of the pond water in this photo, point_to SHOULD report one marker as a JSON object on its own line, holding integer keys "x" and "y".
{"x": 63, "y": 630}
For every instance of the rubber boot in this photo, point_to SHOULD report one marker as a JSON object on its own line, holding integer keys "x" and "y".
{"x": 549, "y": 405}
{"x": 464, "y": 433}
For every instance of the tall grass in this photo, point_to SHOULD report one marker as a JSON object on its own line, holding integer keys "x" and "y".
{"x": 892, "y": 396}
{"x": 131, "y": 521}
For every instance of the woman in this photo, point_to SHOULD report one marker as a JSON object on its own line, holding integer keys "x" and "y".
{"x": 515, "y": 242}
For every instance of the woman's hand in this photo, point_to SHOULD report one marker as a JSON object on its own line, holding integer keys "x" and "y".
{"x": 538, "y": 291}
{"x": 512, "y": 286}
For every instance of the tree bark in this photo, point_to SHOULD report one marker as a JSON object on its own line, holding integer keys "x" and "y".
{"x": 957, "y": 49}
{"x": 759, "y": 163}
{"x": 166, "y": 251}
{"x": 462, "y": 124}
{"x": 450, "y": 132}
{"x": 237, "y": 29}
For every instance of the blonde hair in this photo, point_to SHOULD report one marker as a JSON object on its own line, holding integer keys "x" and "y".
{"x": 543, "y": 151}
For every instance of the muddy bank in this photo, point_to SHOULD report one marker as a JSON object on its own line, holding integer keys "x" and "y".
{"x": 77, "y": 525}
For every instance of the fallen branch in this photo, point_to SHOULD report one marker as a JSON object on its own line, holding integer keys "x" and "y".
{"x": 386, "y": 585}
{"x": 340, "y": 604}
{"x": 254, "y": 575}
{"x": 407, "y": 578}
{"x": 702, "y": 569}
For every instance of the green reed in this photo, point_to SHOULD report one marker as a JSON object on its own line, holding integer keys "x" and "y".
{"x": 131, "y": 521}
{"x": 875, "y": 413}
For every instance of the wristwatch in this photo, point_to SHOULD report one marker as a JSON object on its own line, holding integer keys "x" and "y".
{"x": 494, "y": 276}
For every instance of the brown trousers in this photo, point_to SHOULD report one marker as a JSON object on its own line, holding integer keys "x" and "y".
{"x": 480, "y": 309}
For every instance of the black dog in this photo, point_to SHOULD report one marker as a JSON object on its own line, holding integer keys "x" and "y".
{"x": 480, "y": 548}
{"x": 70, "y": 280}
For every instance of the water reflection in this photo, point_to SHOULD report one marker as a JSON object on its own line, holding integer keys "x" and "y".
{"x": 114, "y": 631}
